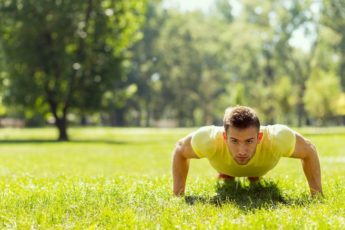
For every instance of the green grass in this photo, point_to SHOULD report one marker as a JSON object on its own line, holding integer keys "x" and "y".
{"x": 121, "y": 179}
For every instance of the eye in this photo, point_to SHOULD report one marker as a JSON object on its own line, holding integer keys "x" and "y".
{"x": 234, "y": 141}
{"x": 250, "y": 141}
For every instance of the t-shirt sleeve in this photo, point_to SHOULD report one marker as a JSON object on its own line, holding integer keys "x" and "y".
{"x": 203, "y": 142}
{"x": 283, "y": 140}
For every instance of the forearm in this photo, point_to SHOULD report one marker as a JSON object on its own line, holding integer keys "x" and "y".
{"x": 180, "y": 169}
{"x": 311, "y": 168}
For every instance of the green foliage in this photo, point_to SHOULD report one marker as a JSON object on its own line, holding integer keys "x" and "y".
{"x": 74, "y": 56}
{"x": 121, "y": 178}
{"x": 66, "y": 54}
{"x": 246, "y": 59}
{"x": 341, "y": 105}
{"x": 191, "y": 76}
{"x": 144, "y": 72}
{"x": 323, "y": 88}
{"x": 333, "y": 17}
{"x": 225, "y": 10}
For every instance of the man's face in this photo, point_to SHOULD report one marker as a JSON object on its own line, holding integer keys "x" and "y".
{"x": 242, "y": 143}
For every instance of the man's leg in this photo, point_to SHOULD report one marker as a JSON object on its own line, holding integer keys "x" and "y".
{"x": 225, "y": 177}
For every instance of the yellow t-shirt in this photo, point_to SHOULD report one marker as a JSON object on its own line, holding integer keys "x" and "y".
{"x": 278, "y": 141}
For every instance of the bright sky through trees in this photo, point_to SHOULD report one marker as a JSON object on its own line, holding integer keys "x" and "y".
{"x": 298, "y": 39}
{"x": 204, "y": 5}
{"x": 184, "y": 5}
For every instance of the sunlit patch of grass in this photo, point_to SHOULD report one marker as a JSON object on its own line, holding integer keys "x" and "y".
{"x": 121, "y": 178}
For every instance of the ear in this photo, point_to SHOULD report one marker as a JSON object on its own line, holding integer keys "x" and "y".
{"x": 260, "y": 136}
{"x": 225, "y": 137}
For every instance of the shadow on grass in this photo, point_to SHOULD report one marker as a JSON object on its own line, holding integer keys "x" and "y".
{"x": 41, "y": 141}
{"x": 248, "y": 197}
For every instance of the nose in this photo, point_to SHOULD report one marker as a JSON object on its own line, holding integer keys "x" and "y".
{"x": 242, "y": 154}
{"x": 242, "y": 150}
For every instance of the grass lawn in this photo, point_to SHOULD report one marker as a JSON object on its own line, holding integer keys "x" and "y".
{"x": 108, "y": 178}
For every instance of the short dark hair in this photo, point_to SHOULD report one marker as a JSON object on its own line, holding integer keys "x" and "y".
{"x": 240, "y": 117}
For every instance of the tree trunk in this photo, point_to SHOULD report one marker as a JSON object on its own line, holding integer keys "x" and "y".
{"x": 61, "y": 124}
{"x": 300, "y": 105}
{"x": 181, "y": 119}
{"x": 300, "y": 114}
{"x": 148, "y": 118}
{"x": 83, "y": 120}
{"x": 139, "y": 117}
{"x": 118, "y": 118}
{"x": 148, "y": 114}
{"x": 342, "y": 73}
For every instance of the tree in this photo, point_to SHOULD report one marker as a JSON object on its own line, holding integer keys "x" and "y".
{"x": 193, "y": 68}
{"x": 224, "y": 10}
{"x": 144, "y": 70}
{"x": 295, "y": 16}
{"x": 333, "y": 16}
{"x": 64, "y": 55}
{"x": 180, "y": 68}
{"x": 323, "y": 90}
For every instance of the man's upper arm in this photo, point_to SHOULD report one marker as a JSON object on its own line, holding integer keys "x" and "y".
{"x": 303, "y": 147}
{"x": 283, "y": 140}
{"x": 184, "y": 148}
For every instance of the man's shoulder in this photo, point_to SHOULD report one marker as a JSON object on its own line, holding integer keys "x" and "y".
{"x": 276, "y": 130}
{"x": 211, "y": 131}
{"x": 205, "y": 140}
{"x": 280, "y": 138}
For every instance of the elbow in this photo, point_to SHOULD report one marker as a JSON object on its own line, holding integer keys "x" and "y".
{"x": 310, "y": 150}
{"x": 311, "y": 153}
{"x": 178, "y": 152}
{"x": 311, "y": 146}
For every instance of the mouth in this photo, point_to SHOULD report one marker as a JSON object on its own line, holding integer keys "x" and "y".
{"x": 241, "y": 159}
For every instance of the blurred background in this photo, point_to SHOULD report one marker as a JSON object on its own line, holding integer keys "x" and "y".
{"x": 173, "y": 63}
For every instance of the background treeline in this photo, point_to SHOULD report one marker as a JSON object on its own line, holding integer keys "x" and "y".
{"x": 138, "y": 63}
